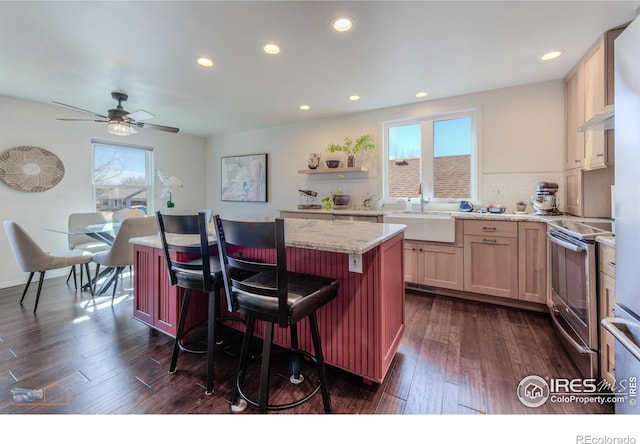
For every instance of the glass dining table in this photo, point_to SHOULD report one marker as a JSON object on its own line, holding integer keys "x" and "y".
{"x": 102, "y": 232}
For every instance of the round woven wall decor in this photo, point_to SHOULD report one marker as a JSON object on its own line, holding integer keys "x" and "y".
{"x": 30, "y": 168}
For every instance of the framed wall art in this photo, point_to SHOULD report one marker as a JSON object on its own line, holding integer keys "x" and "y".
{"x": 244, "y": 178}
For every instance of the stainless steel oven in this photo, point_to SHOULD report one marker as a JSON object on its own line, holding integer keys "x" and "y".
{"x": 573, "y": 300}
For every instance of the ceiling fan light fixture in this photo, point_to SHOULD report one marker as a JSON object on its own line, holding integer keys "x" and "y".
{"x": 120, "y": 128}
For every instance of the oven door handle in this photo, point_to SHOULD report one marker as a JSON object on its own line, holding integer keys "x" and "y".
{"x": 613, "y": 326}
{"x": 564, "y": 244}
{"x": 582, "y": 349}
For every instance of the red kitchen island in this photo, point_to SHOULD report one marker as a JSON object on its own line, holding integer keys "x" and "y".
{"x": 361, "y": 329}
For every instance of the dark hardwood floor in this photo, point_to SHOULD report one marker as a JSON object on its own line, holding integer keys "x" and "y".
{"x": 456, "y": 357}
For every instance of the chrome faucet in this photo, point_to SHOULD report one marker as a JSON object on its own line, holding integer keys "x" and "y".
{"x": 422, "y": 201}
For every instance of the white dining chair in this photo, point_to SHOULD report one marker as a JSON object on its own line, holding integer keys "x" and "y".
{"x": 125, "y": 213}
{"x": 84, "y": 242}
{"x": 120, "y": 255}
{"x": 31, "y": 258}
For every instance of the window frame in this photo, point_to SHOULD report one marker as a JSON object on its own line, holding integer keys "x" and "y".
{"x": 149, "y": 171}
{"x": 427, "y": 151}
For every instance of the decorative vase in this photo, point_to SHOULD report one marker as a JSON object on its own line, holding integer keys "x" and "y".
{"x": 341, "y": 199}
{"x": 314, "y": 160}
{"x": 351, "y": 161}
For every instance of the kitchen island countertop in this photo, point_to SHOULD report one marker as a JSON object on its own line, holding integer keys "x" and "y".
{"x": 349, "y": 237}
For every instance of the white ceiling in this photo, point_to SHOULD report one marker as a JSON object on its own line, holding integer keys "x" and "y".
{"x": 78, "y": 52}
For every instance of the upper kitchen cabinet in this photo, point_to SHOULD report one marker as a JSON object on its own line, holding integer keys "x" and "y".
{"x": 589, "y": 92}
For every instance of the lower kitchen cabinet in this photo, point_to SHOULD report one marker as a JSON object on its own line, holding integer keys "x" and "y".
{"x": 506, "y": 259}
{"x": 491, "y": 265}
{"x": 532, "y": 261}
{"x": 434, "y": 265}
{"x": 607, "y": 297}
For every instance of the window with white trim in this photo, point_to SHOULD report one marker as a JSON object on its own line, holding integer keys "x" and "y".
{"x": 122, "y": 177}
{"x": 435, "y": 156}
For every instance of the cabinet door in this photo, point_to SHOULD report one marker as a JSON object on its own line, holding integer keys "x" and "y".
{"x": 143, "y": 283}
{"x": 441, "y": 266}
{"x": 574, "y": 105}
{"x": 411, "y": 262}
{"x": 607, "y": 342}
{"x": 574, "y": 192}
{"x": 491, "y": 265}
{"x": 532, "y": 261}
{"x": 594, "y": 102}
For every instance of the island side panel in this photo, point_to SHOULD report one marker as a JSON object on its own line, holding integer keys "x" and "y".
{"x": 392, "y": 298}
{"x": 360, "y": 329}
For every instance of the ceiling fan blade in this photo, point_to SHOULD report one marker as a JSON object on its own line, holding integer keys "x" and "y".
{"x": 79, "y": 109}
{"x": 81, "y": 120}
{"x": 140, "y": 115}
{"x": 157, "y": 127}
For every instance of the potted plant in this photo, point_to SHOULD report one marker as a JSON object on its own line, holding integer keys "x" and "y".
{"x": 351, "y": 148}
{"x": 336, "y": 198}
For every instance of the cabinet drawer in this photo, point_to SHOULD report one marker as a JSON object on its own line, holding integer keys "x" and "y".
{"x": 607, "y": 260}
{"x": 491, "y": 228}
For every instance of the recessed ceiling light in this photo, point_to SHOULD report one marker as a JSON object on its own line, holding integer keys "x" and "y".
{"x": 354, "y": 97}
{"x": 421, "y": 94}
{"x": 203, "y": 61}
{"x": 304, "y": 107}
{"x": 551, "y": 55}
{"x": 342, "y": 24}
{"x": 271, "y": 48}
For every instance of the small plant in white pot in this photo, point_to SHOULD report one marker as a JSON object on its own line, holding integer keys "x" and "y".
{"x": 351, "y": 148}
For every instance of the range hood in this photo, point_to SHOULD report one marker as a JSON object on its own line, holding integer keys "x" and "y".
{"x": 601, "y": 121}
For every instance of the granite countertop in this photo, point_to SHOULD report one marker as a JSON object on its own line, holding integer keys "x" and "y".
{"x": 345, "y": 212}
{"x": 350, "y": 237}
{"x": 609, "y": 240}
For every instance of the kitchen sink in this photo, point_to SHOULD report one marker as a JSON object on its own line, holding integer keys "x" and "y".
{"x": 434, "y": 226}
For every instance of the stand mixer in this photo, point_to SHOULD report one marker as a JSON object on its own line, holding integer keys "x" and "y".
{"x": 545, "y": 201}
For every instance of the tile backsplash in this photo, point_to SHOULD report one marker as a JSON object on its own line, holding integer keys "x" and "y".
{"x": 509, "y": 188}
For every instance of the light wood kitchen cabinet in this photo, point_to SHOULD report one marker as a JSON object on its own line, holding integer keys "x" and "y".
{"x": 594, "y": 102}
{"x": 588, "y": 193}
{"x": 411, "y": 262}
{"x": 589, "y": 88}
{"x": 607, "y": 298}
{"x": 532, "y": 261}
{"x": 574, "y": 108}
{"x": 491, "y": 259}
{"x": 434, "y": 265}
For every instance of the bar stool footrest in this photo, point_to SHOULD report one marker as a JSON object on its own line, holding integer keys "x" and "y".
{"x": 299, "y": 380}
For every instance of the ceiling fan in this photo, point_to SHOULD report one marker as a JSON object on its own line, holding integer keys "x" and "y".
{"x": 121, "y": 122}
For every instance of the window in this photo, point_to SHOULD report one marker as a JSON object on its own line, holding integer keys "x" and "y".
{"x": 122, "y": 177}
{"x": 433, "y": 155}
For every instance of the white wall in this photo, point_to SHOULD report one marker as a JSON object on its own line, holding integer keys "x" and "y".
{"x": 521, "y": 137}
{"x": 24, "y": 123}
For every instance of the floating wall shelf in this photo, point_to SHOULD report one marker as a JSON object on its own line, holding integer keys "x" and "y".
{"x": 334, "y": 170}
